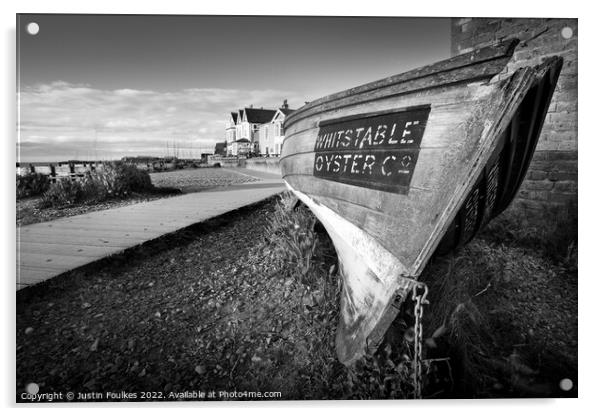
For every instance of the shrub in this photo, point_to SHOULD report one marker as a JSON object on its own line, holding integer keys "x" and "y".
{"x": 32, "y": 184}
{"x": 63, "y": 192}
{"x": 120, "y": 180}
{"x": 113, "y": 181}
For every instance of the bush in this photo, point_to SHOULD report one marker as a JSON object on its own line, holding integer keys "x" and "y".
{"x": 113, "y": 181}
{"x": 120, "y": 180}
{"x": 32, "y": 184}
{"x": 63, "y": 192}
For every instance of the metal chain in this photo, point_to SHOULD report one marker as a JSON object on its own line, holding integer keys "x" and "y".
{"x": 419, "y": 293}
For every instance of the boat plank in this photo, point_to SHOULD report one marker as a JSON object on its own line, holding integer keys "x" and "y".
{"x": 365, "y": 198}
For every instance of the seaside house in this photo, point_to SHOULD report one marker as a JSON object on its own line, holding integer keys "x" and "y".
{"x": 271, "y": 134}
{"x": 256, "y": 131}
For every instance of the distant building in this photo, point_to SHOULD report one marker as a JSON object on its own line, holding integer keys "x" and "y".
{"x": 256, "y": 131}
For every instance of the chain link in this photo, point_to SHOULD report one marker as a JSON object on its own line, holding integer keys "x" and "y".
{"x": 419, "y": 293}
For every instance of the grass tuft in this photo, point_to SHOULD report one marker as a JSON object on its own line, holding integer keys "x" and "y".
{"x": 293, "y": 240}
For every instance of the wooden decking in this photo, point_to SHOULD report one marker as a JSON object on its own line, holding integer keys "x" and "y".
{"x": 51, "y": 248}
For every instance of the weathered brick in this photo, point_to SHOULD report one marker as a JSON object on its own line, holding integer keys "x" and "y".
{"x": 540, "y": 155}
{"x": 542, "y": 185}
{"x": 560, "y": 116}
{"x": 562, "y": 156}
{"x": 565, "y": 186}
{"x": 569, "y": 166}
{"x": 537, "y": 175}
{"x": 544, "y": 165}
{"x": 483, "y": 37}
{"x": 568, "y": 106}
{"x": 567, "y": 95}
{"x": 562, "y": 176}
{"x": 549, "y": 134}
{"x": 528, "y": 205}
{"x": 564, "y": 145}
{"x": 562, "y": 198}
{"x": 535, "y": 195}
{"x": 567, "y": 82}
{"x": 562, "y": 125}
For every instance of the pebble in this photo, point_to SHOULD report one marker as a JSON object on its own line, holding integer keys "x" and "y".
{"x": 28, "y": 330}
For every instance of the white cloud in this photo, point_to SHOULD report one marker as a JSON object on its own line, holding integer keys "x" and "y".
{"x": 62, "y": 120}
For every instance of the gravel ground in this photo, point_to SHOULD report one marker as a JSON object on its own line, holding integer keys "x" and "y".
{"x": 194, "y": 180}
{"x": 206, "y": 310}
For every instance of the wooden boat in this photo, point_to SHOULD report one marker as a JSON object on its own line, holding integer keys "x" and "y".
{"x": 404, "y": 166}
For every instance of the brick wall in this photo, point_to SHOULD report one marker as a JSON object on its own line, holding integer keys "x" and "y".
{"x": 552, "y": 176}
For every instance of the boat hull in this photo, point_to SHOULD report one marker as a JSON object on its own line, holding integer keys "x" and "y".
{"x": 401, "y": 168}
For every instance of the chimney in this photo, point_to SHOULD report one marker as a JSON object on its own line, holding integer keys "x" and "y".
{"x": 285, "y": 104}
{"x": 251, "y": 106}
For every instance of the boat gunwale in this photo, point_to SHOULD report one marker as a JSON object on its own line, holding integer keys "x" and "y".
{"x": 502, "y": 49}
{"x": 370, "y": 114}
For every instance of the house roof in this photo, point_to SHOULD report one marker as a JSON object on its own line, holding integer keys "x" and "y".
{"x": 234, "y": 117}
{"x": 286, "y": 111}
{"x": 259, "y": 115}
{"x": 243, "y": 141}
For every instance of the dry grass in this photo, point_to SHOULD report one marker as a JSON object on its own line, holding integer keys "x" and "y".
{"x": 507, "y": 304}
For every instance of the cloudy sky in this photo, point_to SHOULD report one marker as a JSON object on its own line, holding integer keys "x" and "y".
{"x": 109, "y": 86}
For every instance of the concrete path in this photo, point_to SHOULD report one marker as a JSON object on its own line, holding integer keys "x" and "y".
{"x": 47, "y": 249}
